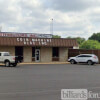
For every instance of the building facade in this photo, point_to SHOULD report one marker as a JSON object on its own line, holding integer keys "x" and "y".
{"x": 36, "y": 49}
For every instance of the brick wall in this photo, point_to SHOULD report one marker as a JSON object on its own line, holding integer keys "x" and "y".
{"x": 63, "y": 54}
{"x": 46, "y": 54}
{"x": 10, "y": 49}
{"x": 27, "y": 53}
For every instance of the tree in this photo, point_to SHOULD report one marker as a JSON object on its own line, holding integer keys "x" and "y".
{"x": 56, "y": 36}
{"x": 95, "y": 36}
{"x": 90, "y": 44}
{"x": 79, "y": 39}
{"x": 69, "y": 37}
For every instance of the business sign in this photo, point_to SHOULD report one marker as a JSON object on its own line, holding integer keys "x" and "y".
{"x": 33, "y": 35}
{"x": 33, "y": 41}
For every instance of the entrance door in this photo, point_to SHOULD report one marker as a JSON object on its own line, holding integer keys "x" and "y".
{"x": 19, "y": 53}
{"x": 37, "y": 55}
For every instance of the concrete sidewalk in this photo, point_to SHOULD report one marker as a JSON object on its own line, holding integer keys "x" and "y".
{"x": 42, "y": 63}
{"x": 46, "y": 63}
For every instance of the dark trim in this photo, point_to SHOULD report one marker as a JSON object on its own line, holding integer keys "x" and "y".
{"x": 33, "y": 58}
{"x": 55, "y": 59}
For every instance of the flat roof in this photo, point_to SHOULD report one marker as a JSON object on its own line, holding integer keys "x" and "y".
{"x": 45, "y": 42}
{"x": 16, "y": 34}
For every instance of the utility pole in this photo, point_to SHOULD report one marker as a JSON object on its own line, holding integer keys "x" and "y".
{"x": 0, "y": 28}
{"x": 51, "y": 27}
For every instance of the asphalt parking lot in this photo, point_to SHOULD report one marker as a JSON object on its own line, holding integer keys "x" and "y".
{"x": 44, "y": 82}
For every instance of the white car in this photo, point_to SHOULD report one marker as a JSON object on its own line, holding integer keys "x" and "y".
{"x": 90, "y": 59}
{"x": 7, "y": 59}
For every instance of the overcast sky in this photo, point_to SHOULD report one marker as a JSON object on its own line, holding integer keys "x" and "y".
{"x": 71, "y": 17}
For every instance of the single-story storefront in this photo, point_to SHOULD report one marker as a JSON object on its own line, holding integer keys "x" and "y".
{"x": 34, "y": 49}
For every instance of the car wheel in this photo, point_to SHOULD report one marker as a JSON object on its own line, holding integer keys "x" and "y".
{"x": 90, "y": 62}
{"x": 7, "y": 63}
{"x": 72, "y": 61}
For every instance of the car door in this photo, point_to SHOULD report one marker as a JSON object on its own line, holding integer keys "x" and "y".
{"x": 80, "y": 58}
{"x": 87, "y": 57}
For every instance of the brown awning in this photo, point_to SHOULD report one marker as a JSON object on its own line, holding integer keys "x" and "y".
{"x": 48, "y": 42}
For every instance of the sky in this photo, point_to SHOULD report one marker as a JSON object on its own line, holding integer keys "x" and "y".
{"x": 75, "y": 18}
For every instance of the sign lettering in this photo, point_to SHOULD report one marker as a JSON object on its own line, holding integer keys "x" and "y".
{"x": 32, "y": 41}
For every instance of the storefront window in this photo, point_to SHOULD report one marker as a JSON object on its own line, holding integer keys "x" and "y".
{"x": 55, "y": 54}
{"x": 33, "y": 51}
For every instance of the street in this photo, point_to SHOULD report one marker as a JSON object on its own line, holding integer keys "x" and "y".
{"x": 44, "y": 82}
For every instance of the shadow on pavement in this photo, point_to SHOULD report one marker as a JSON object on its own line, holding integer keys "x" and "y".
{"x": 9, "y": 67}
{"x": 86, "y": 64}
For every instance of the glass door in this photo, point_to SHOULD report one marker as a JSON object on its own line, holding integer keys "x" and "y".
{"x": 37, "y": 55}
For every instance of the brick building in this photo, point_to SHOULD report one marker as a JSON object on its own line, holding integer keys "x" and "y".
{"x": 36, "y": 48}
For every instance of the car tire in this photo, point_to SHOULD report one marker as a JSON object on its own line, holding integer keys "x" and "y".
{"x": 90, "y": 62}
{"x": 72, "y": 61}
{"x": 7, "y": 64}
